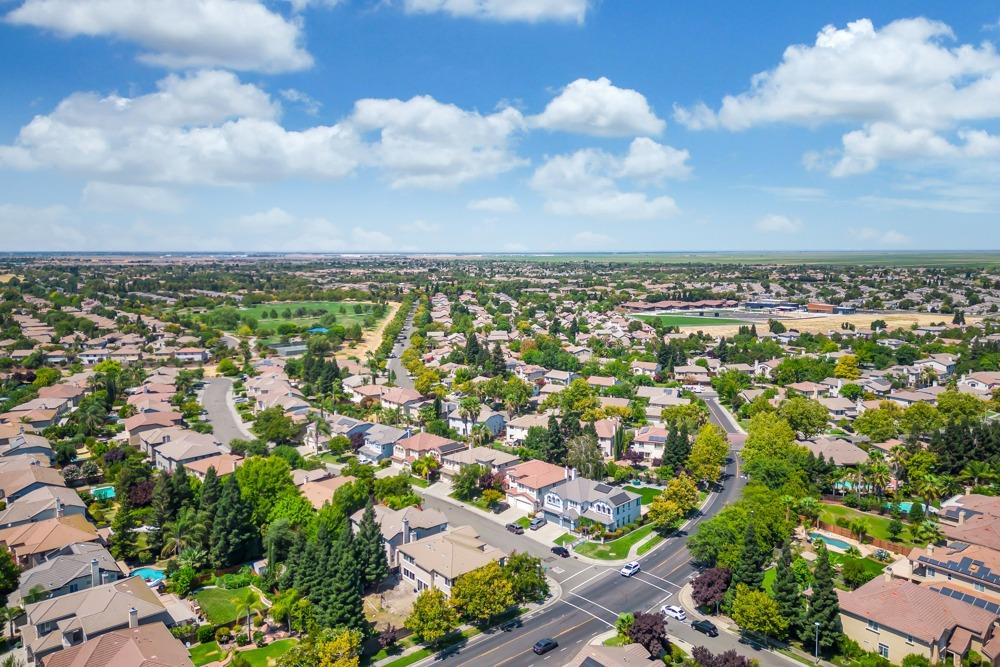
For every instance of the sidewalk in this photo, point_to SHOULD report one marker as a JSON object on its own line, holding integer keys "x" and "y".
{"x": 555, "y": 594}
{"x": 725, "y": 624}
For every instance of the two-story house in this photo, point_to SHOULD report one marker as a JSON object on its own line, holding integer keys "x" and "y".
{"x": 578, "y": 500}
{"x": 528, "y": 482}
{"x": 438, "y": 560}
{"x": 493, "y": 460}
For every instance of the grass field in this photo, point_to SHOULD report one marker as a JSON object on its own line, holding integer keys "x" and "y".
{"x": 268, "y": 656}
{"x": 690, "y": 320}
{"x": 345, "y": 318}
{"x": 615, "y": 549}
{"x": 878, "y": 526}
{"x": 202, "y": 654}
{"x": 219, "y": 604}
{"x": 647, "y": 494}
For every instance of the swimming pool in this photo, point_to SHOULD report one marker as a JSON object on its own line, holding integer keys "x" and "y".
{"x": 103, "y": 492}
{"x": 150, "y": 574}
{"x": 831, "y": 541}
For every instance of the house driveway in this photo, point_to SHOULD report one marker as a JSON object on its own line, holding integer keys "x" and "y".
{"x": 544, "y": 535}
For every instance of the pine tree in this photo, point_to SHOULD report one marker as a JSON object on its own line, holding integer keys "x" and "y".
{"x": 163, "y": 511}
{"x": 497, "y": 362}
{"x": 824, "y": 607}
{"x": 123, "y": 537}
{"x": 338, "y": 594}
{"x": 749, "y": 569}
{"x": 471, "y": 349}
{"x": 372, "y": 561}
{"x": 211, "y": 489}
{"x": 555, "y": 446}
{"x": 181, "y": 489}
{"x": 234, "y": 537}
{"x": 786, "y": 589}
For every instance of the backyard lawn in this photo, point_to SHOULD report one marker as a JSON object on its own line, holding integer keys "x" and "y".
{"x": 267, "y": 656}
{"x": 202, "y": 654}
{"x": 878, "y": 526}
{"x": 219, "y": 604}
{"x": 648, "y": 494}
{"x": 615, "y": 549}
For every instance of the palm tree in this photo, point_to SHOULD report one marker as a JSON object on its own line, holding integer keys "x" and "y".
{"x": 880, "y": 476}
{"x": 976, "y": 471}
{"x": 925, "y": 532}
{"x": 284, "y": 605}
{"x": 186, "y": 530}
{"x": 425, "y": 466}
{"x": 859, "y": 528}
{"x": 248, "y": 604}
{"x": 929, "y": 487}
{"x": 468, "y": 409}
{"x": 480, "y": 435}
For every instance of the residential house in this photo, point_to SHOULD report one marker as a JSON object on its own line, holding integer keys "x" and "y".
{"x": 149, "y": 645}
{"x": 517, "y": 428}
{"x": 491, "y": 459}
{"x": 27, "y": 444}
{"x": 607, "y": 433}
{"x": 422, "y": 444}
{"x": 578, "y": 500}
{"x": 488, "y": 418}
{"x": 224, "y": 464}
{"x": 406, "y": 401}
{"x": 648, "y": 368}
{"x": 193, "y": 355}
{"x": 46, "y": 502}
{"x": 403, "y": 526}
{"x": 73, "y": 568}
{"x": 650, "y": 441}
{"x": 70, "y": 620}
{"x": 379, "y": 442}
{"x": 559, "y": 378}
{"x": 32, "y": 543}
{"x": 22, "y": 479}
{"x": 836, "y": 450}
{"x": 138, "y": 424}
{"x": 438, "y": 560}
{"x": 321, "y": 492}
{"x": 528, "y": 482}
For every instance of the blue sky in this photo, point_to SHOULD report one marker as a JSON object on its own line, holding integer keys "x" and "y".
{"x": 498, "y": 125}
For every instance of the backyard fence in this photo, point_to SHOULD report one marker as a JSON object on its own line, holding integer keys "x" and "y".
{"x": 894, "y": 547}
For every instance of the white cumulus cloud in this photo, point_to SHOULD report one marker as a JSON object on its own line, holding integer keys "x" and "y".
{"x": 118, "y": 196}
{"x": 599, "y": 108}
{"x": 780, "y": 224}
{"x": 529, "y": 11}
{"x": 236, "y": 34}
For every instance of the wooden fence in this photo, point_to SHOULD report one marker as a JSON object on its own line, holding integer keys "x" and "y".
{"x": 894, "y": 547}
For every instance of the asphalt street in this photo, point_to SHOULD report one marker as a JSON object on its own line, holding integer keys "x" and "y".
{"x": 403, "y": 378}
{"x": 222, "y": 416}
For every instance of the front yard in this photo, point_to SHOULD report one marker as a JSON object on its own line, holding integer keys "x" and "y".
{"x": 615, "y": 549}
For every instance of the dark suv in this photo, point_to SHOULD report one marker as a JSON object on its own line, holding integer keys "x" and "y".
{"x": 544, "y": 646}
{"x": 706, "y": 627}
{"x": 561, "y": 551}
{"x": 514, "y": 528}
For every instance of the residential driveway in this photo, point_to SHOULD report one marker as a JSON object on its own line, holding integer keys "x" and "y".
{"x": 217, "y": 401}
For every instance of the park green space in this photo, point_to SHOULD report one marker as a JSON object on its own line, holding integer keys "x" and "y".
{"x": 331, "y": 307}
{"x": 689, "y": 320}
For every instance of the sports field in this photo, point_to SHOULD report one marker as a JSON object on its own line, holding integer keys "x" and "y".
{"x": 307, "y": 313}
{"x": 690, "y": 320}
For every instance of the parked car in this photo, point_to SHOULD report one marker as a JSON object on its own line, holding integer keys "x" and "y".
{"x": 544, "y": 646}
{"x": 706, "y": 627}
{"x": 514, "y": 528}
{"x": 537, "y": 522}
{"x": 628, "y": 569}
{"x": 673, "y": 611}
{"x": 560, "y": 551}
{"x": 500, "y": 508}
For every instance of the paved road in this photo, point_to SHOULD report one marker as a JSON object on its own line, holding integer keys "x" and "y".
{"x": 593, "y": 597}
{"x": 226, "y": 424}
{"x": 721, "y": 417}
{"x": 403, "y": 378}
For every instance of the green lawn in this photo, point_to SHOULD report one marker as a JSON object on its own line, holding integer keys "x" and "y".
{"x": 644, "y": 548}
{"x": 524, "y": 522}
{"x": 565, "y": 538}
{"x": 267, "y": 656}
{"x": 872, "y": 567}
{"x": 330, "y": 307}
{"x": 615, "y": 549}
{"x": 689, "y": 320}
{"x": 220, "y": 604}
{"x": 647, "y": 494}
{"x": 202, "y": 654}
{"x": 878, "y": 526}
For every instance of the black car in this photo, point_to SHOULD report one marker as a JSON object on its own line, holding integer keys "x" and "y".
{"x": 544, "y": 646}
{"x": 514, "y": 528}
{"x": 561, "y": 551}
{"x": 706, "y": 627}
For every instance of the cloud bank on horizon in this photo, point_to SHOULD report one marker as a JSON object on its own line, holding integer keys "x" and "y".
{"x": 245, "y": 125}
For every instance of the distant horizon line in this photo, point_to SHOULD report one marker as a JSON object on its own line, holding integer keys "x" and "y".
{"x": 522, "y": 253}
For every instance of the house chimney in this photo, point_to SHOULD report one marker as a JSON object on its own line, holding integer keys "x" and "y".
{"x": 406, "y": 530}
{"x": 887, "y": 574}
{"x": 930, "y": 548}
{"x": 961, "y": 517}
{"x": 572, "y": 473}
{"x": 566, "y": 472}
{"x": 60, "y": 511}
{"x": 95, "y": 573}
{"x": 133, "y": 617}
{"x": 968, "y": 490}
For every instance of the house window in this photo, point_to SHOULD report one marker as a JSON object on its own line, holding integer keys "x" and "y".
{"x": 979, "y": 587}
{"x": 909, "y": 639}
{"x": 883, "y": 650}
{"x": 872, "y": 625}
{"x": 931, "y": 572}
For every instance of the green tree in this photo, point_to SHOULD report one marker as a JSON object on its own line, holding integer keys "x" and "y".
{"x": 234, "y": 538}
{"x": 432, "y": 618}
{"x": 753, "y": 560}
{"x": 373, "y": 563}
{"x": 708, "y": 454}
{"x": 272, "y": 425}
{"x": 955, "y": 406}
{"x": 879, "y": 424}
{"x": 768, "y": 436}
{"x": 465, "y": 484}
{"x": 9, "y": 574}
{"x": 786, "y": 588}
{"x": 824, "y": 607}
{"x": 584, "y": 454}
{"x": 847, "y": 368}
{"x": 805, "y": 415}
{"x": 527, "y": 577}
{"x": 755, "y": 612}
{"x": 263, "y": 481}
{"x": 483, "y": 593}
{"x": 678, "y": 498}
{"x": 124, "y": 541}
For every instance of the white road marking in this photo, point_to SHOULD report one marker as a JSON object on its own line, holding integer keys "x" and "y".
{"x": 650, "y": 583}
{"x": 587, "y": 581}
{"x": 587, "y": 612}
{"x": 614, "y": 613}
{"x": 657, "y": 605}
{"x": 660, "y": 578}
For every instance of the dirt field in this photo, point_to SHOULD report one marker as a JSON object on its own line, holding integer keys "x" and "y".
{"x": 371, "y": 339}
{"x": 7, "y": 277}
{"x": 815, "y": 323}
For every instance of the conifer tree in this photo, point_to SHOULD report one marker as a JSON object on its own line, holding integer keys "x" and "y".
{"x": 555, "y": 447}
{"x": 234, "y": 537}
{"x": 337, "y": 595}
{"x": 372, "y": 561}
{"x": 786, "y": 589}
{"x": 749, "y": 568}
{"x": 824, "y": 607}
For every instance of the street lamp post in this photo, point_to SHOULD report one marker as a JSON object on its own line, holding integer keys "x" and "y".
{"x": 816, "y": 625}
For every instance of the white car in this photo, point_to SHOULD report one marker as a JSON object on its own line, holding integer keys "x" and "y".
{"x": 673, "y": 611}
{"x": 628, "y": 569}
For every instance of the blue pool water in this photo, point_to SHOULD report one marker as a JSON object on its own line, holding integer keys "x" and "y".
{"x": 150, "y": 574}
{"x": 830, "y": 541}
{"x": 103, "y": 492}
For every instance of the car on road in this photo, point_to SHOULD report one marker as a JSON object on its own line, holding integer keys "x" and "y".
{"x": 514, "y": 528}
{"x": 240, "y": 399}
{"x": 537, "y": 522}
{"x": 673, "y": 611}
{"x": 543, "y": 646}
{"x": 628, "y": 569}
{"x": 560, "y": 551}
{"x": 706, "y": 628}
